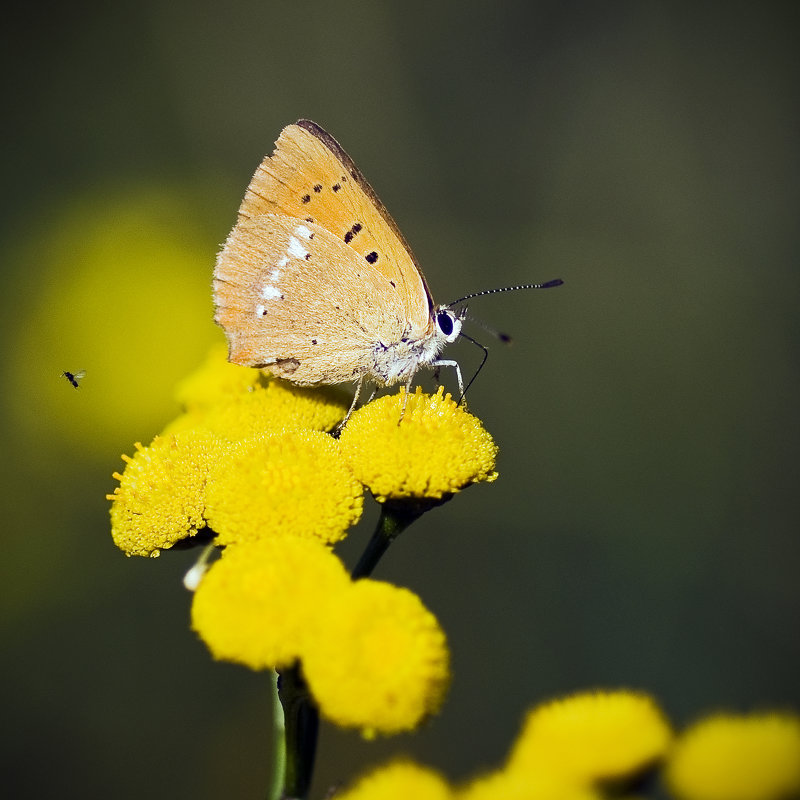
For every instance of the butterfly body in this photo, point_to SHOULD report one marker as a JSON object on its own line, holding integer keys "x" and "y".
{"x": 315, "y": 283}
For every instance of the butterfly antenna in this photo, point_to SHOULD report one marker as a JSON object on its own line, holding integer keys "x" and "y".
{"x": 503, "y": 337}
{"x": 546, "y": 285}
{"x": 485, "y": 349}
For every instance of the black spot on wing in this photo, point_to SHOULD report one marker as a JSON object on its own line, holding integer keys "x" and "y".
{"x": 349, "y": 235}
{"x": 306, "y": 198}
{"x": 371, "y": 257}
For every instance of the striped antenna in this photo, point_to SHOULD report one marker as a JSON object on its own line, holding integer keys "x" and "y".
{"x": 547, "y": 285}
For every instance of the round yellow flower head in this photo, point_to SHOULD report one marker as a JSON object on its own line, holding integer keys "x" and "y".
{"x": 516, "y": 785}
{"x": 732, "y": 757}
{"x": 272, "y": 405}
{"x": 294, "y": 483}
{"x": 399, "y": 780}
{"x": 260, "y": 602}
{"x": 592, "y": 737}
{"x": 161, "y": 496}
{"x": 215, "y": 381}
{"x": 237, "y": 402}
{"x": 379, "y": 661}
{"x": 436, "y": 450}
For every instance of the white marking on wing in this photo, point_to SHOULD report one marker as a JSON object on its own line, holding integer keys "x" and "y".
{"x": 295, "y": 249}
{"x": 270, "y": 293}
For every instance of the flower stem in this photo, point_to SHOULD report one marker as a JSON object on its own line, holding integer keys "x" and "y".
{"x": 278, "y": 743}
{"x": 394, "y": 519}
{"x": 301, "y": 731}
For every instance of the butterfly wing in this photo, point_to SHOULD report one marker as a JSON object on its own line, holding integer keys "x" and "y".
{"x": 310, "y": 177}
{"x": 294, "y": 299}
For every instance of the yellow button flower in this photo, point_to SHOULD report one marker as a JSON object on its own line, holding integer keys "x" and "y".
{"x": 731, "y": 757}
{"x": 515, "y": 785}
{"x": 592, "y": 737}
{"x": 161, "y": 496}
{"x": 400, "y": 780}
{"x": 436, "y": 450}
{"x": 379, "y": 661}
{"x": 295, "y": 483}
{"x": 260, "y": 602}
{"x": 237, "y": 402}
{"x": 214, "y": 381}
{"x": 273, "y": 405}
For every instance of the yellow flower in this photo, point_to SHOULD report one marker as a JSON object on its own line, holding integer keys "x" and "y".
{"x": 592, "y": 737}
{"x": 379, "y": 661}
{"x": 515, "y": 785}
{"x": 436, "y": 450}
{"x": 161, "y": 496}
{"x": 733, "y": 757}
{"x": 294, "y": 483}
{"x": 260, "y": 602}
{"x": 273, "y": 405}
{"x": 215, "y": 380}
{"x": 237, "y": 402}
{"x": 117, "y": 286}
{"x": 399, "y": 780}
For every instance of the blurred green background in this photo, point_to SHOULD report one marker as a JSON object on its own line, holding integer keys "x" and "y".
{"x": 643, "y": 532}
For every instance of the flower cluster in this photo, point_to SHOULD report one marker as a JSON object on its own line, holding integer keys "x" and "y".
{"x": 250, "y": 466}
{"x": 593, "y": 745}
{"x": 272, "y": 603}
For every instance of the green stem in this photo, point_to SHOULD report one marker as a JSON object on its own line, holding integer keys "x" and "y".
{"x": 301, "y": 732}
{"x": 394, "y": 519}
{"x": 297, "y": 718}
{"x": 278, "y": 743}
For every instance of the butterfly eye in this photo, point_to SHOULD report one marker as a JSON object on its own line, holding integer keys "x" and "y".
{"x": 448, "y": 324}
{"x": 445, "y": 322}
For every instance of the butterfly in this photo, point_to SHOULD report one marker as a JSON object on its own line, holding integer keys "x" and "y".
{"x": 316, "y": 284}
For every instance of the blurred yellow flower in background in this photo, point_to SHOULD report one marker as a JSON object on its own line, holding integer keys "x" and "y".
{"x": 514, "y": 785}
{"x": 737, "y": 757}
{"x": 399, "y": 780}
{"x": 122, "y": 291}
{"x": 592, "y": 737}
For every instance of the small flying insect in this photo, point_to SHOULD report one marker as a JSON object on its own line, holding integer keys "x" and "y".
{"x": 74, "y": 377}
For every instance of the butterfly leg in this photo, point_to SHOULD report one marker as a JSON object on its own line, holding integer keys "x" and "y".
{"x": 372, "y": 394}
{"x": 405, "y": 398}
{"x": 340, "y": 427}
{"x": 454, "y": 364}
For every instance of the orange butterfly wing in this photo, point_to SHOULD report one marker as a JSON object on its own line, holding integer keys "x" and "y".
{"x": 310, "y": 177}
{"x": 290, "y": 297}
